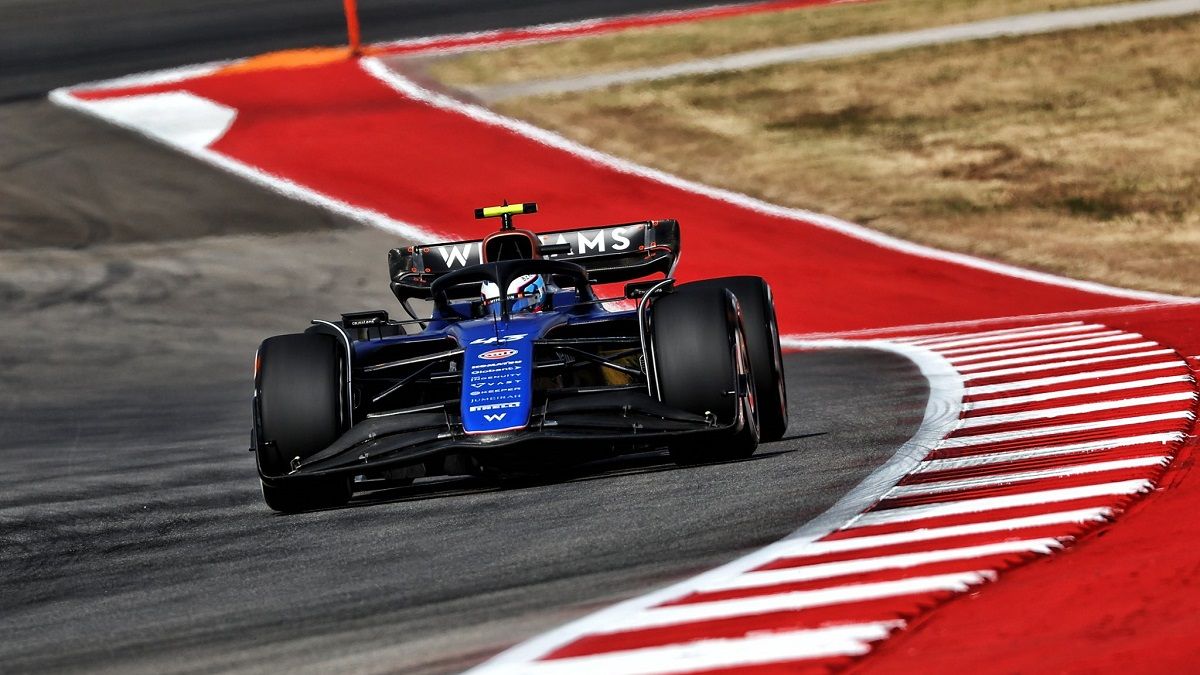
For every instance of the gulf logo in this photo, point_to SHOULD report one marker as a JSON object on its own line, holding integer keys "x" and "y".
{"x": 498, "y": 354}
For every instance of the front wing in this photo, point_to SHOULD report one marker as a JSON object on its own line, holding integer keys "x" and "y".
{"x": 573, "y": 421}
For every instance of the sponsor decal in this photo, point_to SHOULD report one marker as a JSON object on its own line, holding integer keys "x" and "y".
{"x": 499, "y": 340}
{"x": 457, "y": 256}
{"x": 601, "y": 240}
{"x": 494, "y": 406}
{"x": 501, "y": 390}
{"x": 496, "y": 354}
{"x": 495, "y": 417}
{"x": 582, "y": 242}
{"x": 501, "y": 367}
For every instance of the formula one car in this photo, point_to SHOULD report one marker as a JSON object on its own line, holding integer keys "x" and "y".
{"x": 517, "y": 366}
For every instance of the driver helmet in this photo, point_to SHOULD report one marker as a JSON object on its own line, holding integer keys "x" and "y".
{"x": 527, "y": 293}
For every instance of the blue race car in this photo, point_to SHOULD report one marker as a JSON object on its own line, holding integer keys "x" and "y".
{"x": 511, "y": 363}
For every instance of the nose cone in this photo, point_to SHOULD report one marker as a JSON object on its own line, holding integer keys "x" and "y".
{"x": 497, "y": 387}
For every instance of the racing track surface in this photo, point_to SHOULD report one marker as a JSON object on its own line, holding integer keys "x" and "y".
{"x": 132, "y": 536}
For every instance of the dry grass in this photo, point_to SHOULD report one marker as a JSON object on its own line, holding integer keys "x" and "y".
{"x": 1076, "y": 153}
{"x": 667, "y": 44}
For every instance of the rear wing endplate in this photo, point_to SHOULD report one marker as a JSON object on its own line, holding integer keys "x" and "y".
{"x": 610, "y": 254}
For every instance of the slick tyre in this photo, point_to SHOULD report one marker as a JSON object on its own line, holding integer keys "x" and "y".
{"x": 701, "y": 362}
{"x": 300, "y": 399}
{"x": 762, "y": 344}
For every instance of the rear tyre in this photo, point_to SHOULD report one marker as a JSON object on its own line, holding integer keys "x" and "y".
{"x": 701, "y": 362}
{"x": 300, "y": 399}
{"x": 762, "y": 344}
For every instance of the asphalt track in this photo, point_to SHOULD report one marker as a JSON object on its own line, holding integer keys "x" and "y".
{"x": 136, "y": 284}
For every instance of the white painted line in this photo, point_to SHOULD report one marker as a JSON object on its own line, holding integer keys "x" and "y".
{"x": 921, "y": 339}
{"x": 906, "y": 514}
{"x": 1080, "y": 409}
{"x": 983, "y": 439}
{"x": 983, "y": 390}
{"x": 784, "y": 602}
{"x": 176, "y": 118}
{"x": 1060, "y": 346}
{"x": 973, "y": 367}
{"x": 1073, "y": 517}
{"x": 713, "y": 654}
{"x": 1081, "y": 391}
{"x": 994, "y": 480}
{"x": 820, "y": 571}
{"x": 993, "y": 336}
{"x": 1025, "y": 24}
{"x": 1156, "y": 441}
{"x": 1053, "y": 340}
{"x": 1017, "y": 370}
{"x": 479, "y": 113}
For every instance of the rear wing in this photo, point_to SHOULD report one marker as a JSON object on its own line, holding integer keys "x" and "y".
{"x": 610, "y": 254}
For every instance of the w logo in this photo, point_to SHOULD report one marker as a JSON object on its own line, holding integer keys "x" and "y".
{"x": 494, "y": 417}
{"x": 456, "y": 256}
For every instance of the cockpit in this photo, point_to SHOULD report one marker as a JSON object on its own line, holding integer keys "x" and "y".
{"x": 526, "y": 294}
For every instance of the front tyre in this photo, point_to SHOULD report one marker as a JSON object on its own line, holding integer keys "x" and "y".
{"x": 300, "y": 399}
{"x": 702, "y": 367}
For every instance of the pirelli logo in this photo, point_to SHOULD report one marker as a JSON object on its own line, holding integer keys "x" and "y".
{"x": 494, "y": 406}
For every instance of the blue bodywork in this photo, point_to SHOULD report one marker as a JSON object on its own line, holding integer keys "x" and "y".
{"x": 497, "y": 388}
{"x": 498, "y": 359}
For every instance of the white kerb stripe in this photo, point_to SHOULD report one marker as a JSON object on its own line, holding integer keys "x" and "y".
{"x": 985, "y": 389}
{"x": 983, "y": 365}
{"x": 959, "y": 484}
{"x": 1044, "y": 348}
{"x": 985, "y": 337}
{"x": 1080, "y": 409}
{"x": 1052, "y": 340}
{"x": 1156, "y": 442}
{"x": 955, "y": 508}
{"x": 1072, "y": 517}
{"x": 981, "y": 439}
{"x": 756, "y": 649}
{"x": 1081, "y": 391}
{"x": 912, "y": 340}
{"x": 788, "y": 602}
{"x": 891, "y": 562}
{"x": 1065, "y": 364}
